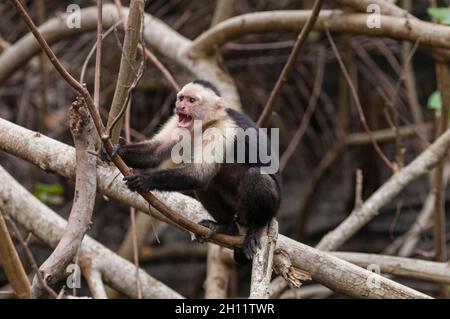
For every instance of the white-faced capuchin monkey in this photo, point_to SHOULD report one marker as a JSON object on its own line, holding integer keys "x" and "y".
{"x": 235, "y": 192}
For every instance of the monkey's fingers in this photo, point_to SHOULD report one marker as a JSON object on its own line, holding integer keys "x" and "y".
{"x": 130, "y": 177}
{"x": 208, "y": 223}
{"x": 115, "y": 149}
{"x": 104, "y": 155}
{"x": 212, "y": 229}
{"x": 122, "y": 141}
{"x": 135, "y": 183}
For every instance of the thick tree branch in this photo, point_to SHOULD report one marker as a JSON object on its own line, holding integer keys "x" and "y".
{"x": 263, "y": 262}
{"x": 387, "y": 8}
{"x": 400, "y": 266}
{"x": 399, "y": 28}
{"x": 218, "y": 273}
{"x": 55, "y": 156}
{"x": 127, "y": 68}
{"x": 94, "y": 279}
{"x": 50, "y": 228}
{"x": 83, "y": 132}
{"x": 225, "y": 9}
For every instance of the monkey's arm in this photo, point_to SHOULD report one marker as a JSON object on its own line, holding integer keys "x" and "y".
{"x": 145, "y": 154}
{"x": 148, "y": 154}
{"x": 188, "y": 177}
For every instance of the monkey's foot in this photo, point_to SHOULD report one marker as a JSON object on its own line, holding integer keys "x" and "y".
{"x": 252, "y": 242}
{"x": 212, "y": 229}
{"x": 137, "y": 182}
{"x": 215, "y": 227}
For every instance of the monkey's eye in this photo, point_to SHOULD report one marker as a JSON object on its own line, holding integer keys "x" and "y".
{"x": 191, "y": 100}
{"x": 181, "y": 97}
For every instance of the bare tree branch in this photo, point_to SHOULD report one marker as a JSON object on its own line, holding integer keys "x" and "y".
{"x": 357, "y": 101}
{"x": 50, "y": 228}
{"x": 12, "y": 266}
{"x": 399, "y": 28}
{"x": 400, "y": 266}
{"x": 98, "y": 56}
{"x": 218, "y": 273}
{"x": 334, "y": 273}
{"x": 263, "y": 262}
{"x": 94, "y": 279}
{"x": 421, "y": 165}
{"x": 83, "y": 132}
{"x": 387, "y": 8}
{"x": 292, "y": 275}
{"x": 225, "y": 9}
{"x": 128, "y": 67}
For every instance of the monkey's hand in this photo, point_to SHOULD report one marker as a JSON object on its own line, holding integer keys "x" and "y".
{"x": 252, "y": 242}
{"x": 138, "y": 182}
{"x": 103, "y": 153}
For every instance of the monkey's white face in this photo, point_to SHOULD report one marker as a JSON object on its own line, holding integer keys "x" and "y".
{"x": 185, "y": 109}
{"x": 195, "y": 103}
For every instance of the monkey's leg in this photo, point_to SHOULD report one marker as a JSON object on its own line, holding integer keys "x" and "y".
{"x": 222, "y": 212}
{"x": 258, "y": 203}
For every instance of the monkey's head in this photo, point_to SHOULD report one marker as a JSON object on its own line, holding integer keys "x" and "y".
{"x": 198, "y": 100}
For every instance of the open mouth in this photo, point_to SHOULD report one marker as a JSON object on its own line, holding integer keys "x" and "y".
{"x": 184, "y": 120}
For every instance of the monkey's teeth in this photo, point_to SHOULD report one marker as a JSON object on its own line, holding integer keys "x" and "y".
{"x": 184, "y": 120}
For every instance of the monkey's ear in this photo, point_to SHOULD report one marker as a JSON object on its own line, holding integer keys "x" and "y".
{"x": 220, "y": 103}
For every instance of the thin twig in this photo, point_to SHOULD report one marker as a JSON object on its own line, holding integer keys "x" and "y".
{"x": 437, "y": 180}
{"x": 123, "y": 109}
{"x": 11, "y": 264}
{"x": 133, "y": 214}
{"x": 357, "y": 101}
{"x": 392, "y": 102}
{"x": 268, "y": 108}
{"x": 30, "y": 257}
{"x": 93, "y": 49}
{"x": 358, "y": 189}
{"x": 150, "y": 55}
{"x": 82, "y": 129}
{"x": 296, "y": 139}
{"x": 98, "y": 57}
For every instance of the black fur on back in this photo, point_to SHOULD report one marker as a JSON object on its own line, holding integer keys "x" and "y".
{"x": 252, "y": 145}
{"x": 208, "y": 85}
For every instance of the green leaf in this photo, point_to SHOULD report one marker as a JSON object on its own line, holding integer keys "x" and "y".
{"x": 441, "y": 14}
{"x": 49, "y": 193}
{"x": 53, "y": 189}
{"x": 435, "y": 101}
